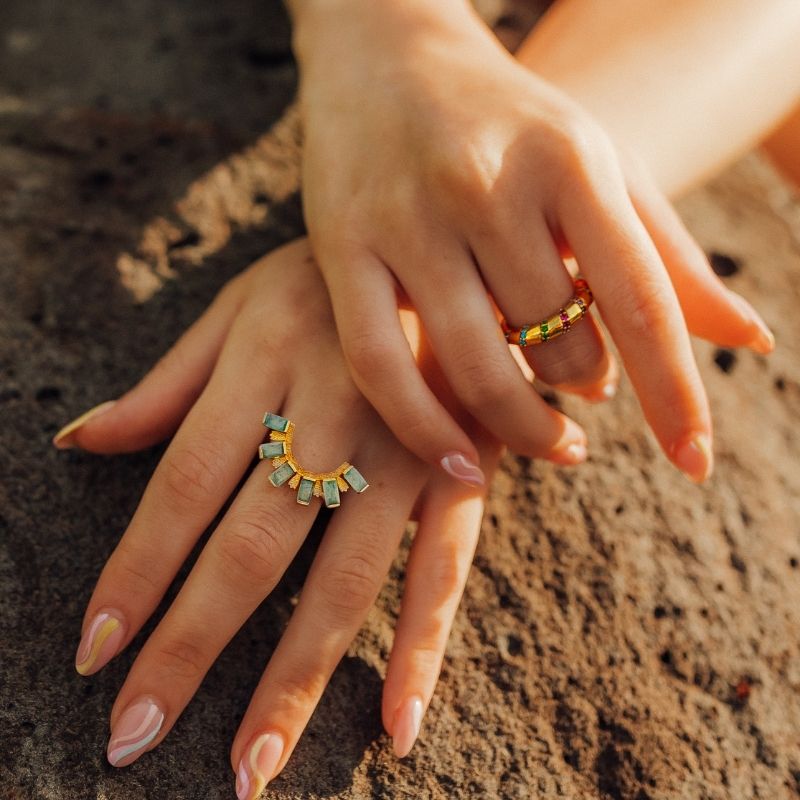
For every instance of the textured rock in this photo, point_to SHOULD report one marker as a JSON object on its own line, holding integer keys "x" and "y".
{"x": 624, "y": 634}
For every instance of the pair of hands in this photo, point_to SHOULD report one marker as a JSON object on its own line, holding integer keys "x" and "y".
{"x": 435, "y": 168}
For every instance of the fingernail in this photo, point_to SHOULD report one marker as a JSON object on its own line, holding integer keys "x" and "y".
{"x": 406, "y": 725}
{"x": 695, "y": 457}
{"x": 463, "y": 469}
{"x": 573, "y": 453}
{"x": 100, "y": 642}
{"x": 609, "y": 390}
{"x": 764, "y": 340}
{"x": 258, "y": 765}
{"x": 136, "y": 727}
{"x": 63, "y": 439}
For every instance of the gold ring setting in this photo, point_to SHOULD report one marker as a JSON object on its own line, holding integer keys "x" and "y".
{"x": 327, "y": 485}
{"x": 556, "y": 325}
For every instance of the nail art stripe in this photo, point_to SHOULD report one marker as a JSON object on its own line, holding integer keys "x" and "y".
{"x": 143, "y": 735}
{"x": 258, "y": 766}
{"x": 101, "y": 628}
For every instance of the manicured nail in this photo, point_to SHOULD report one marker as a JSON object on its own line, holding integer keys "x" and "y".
{"x": 100, "y": 643}
{"x": 609, "y": 390}
{"x": 136, "y": 727}
{"x": 573, "y": 453}
{"x": 63, "y": 439}
{"x": 258, "y": 765}
{"x": 764, "y": 340}
{"x": 406, "y": 724}
{"x": 463, "y": 469}
{"x": 695, "y": 457}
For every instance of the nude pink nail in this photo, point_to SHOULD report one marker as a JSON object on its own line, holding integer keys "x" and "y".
{"x": 406, "y": 725}
{"x": 463, "y": 469}
{"x": 136, "y": 727}
{"x": 695, "y": 457}
{"x": 258, "y": 765}
{"x": 101, "y": 641}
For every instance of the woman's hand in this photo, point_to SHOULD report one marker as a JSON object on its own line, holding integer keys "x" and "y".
{"x": 437, "y": 166}
{"x": 268, "y": 343}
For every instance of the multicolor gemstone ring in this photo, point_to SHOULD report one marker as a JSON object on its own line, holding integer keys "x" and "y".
{"x": 327, "y": 485}
{"x": 555, "y": 325}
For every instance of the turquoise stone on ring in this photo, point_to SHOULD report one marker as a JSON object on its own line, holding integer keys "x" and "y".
{"x": 305, "y": 491}
{"x": 282, "y": 474}
{"x": 355, "y": 479}
{"x": 330, "y": 491}
{"x": 272, "y": 449}
{"x": 275, "y": 423}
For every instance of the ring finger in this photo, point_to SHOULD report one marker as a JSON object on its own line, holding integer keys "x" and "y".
{"x": 579, "y": 363}
{"x": 348, "y": 571}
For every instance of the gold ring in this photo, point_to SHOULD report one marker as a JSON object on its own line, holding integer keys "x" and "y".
{"x": 327, "y": 485}
{"x": 555, "y": 325}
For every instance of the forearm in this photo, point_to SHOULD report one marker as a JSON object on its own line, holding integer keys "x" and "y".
{"x": 686, "y": 84}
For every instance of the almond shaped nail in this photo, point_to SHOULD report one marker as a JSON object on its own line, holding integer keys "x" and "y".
{"x": 258, "y": 765}
{"x": 406, "y": 724}
{"x": 63, "y": 439}
{"x": 135, "y": 729}
{"x": 695, "y": 457}
{"x": 101, "y": 642}
{"x": 462, "y": 468}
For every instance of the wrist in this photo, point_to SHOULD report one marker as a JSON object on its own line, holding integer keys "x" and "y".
{"x": 322, "y": 28}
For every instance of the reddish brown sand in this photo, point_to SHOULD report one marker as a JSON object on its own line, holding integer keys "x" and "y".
{"x": 624, "y": 634}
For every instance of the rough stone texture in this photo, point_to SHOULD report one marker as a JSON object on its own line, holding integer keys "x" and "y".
{"x": 624, "y": 635}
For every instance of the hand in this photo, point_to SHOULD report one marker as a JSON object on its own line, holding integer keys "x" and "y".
{"x": 436, "y": 166}
{"x": 268, "y": 342}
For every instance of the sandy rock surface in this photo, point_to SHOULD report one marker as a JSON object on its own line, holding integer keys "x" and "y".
{"x": 625, "y": 635}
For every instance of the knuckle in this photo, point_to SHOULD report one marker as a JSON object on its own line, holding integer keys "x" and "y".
{"x": 646, "y": 316}
{"x": 182, "y": 660}
{"x": 191, "y": 474}
{"x": 135, "y": 575}
{"x": 255, "y": 548}
{"x": 371, "y": 357}
{"x": 349, "y": 587}
{"x": 480, "y": 381}
{"x": 297, "y": 691}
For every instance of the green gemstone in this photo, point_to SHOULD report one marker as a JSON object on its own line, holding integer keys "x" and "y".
{"x": 305, "y": 491}
{"x": 275, "y": 423}
{"x": 330, "y": 491}
{"x": 272, "y": 449}
{"x": 282, "y": 474}
{"x": 355, "y": 479}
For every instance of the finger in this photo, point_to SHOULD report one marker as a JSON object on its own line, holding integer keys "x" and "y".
{"x": 477, "y": 362}
{"x": 382, "y": 365}
{"x": 152, "y": 410}
{"x": 348, "y": 570}
{"x": 436, "y": 572}
{"x": 640, "y": 309}
{"x": 712, "y": 311}
{"x": 200, "y": 468}
{"x": 529, "y": 282}
{"x": 240, "y": 565}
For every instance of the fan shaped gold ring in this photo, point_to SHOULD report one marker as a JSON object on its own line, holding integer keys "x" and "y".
{"x": 327, "y": 485}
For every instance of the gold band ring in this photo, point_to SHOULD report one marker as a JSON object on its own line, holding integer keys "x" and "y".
{"x": 555, "y": 325}
{"x": 327, "y": 485}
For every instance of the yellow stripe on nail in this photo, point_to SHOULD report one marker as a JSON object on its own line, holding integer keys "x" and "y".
{"x": 60, "y": 439}
{"x": 108, "y": 627}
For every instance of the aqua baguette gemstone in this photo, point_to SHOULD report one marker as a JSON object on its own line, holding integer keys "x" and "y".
{"x": 355, "y": 479}
{"x": 275, "y": 423}
{"x": 272, "y": 449}
{"x": 304, "y": 491}
{"x": 330, "y": 491}
{"x": 282, "y": 474}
